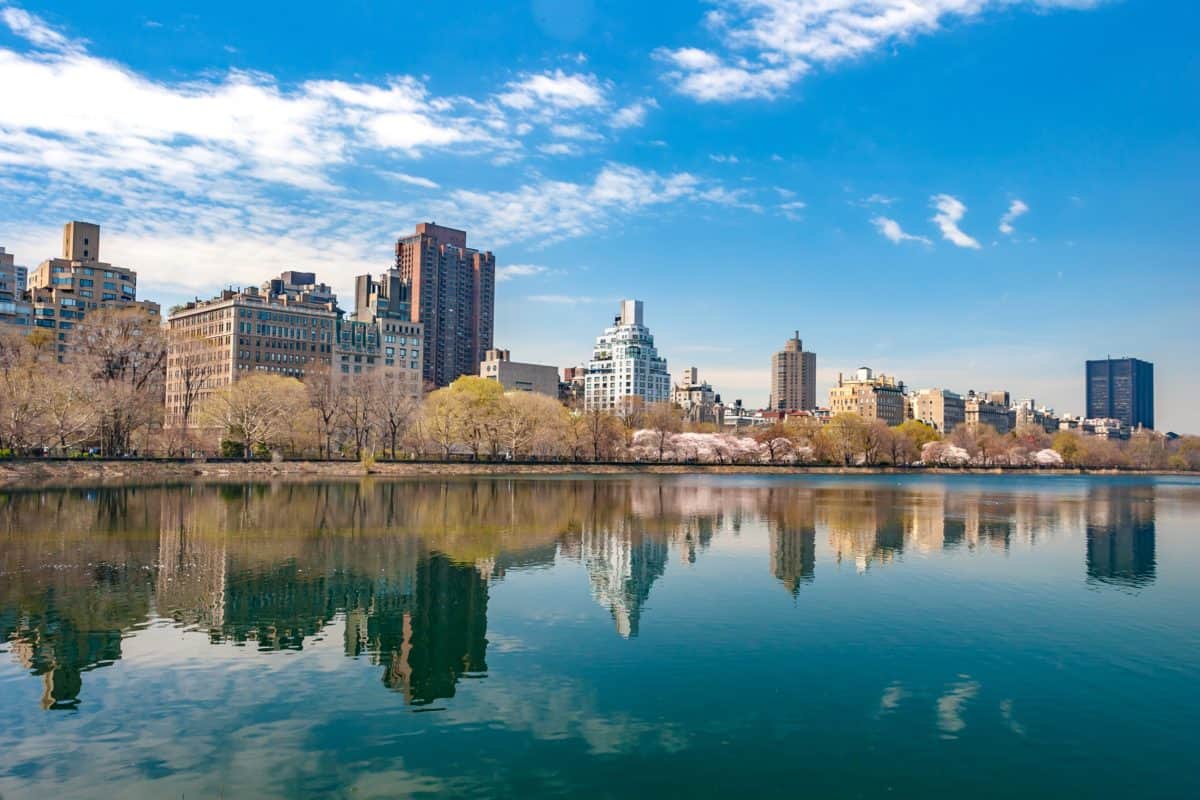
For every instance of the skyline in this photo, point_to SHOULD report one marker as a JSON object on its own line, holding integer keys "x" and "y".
{"x": 1022, "y": 198}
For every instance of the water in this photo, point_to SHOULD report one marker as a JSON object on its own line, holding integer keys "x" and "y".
{"x": 654, "y": 636}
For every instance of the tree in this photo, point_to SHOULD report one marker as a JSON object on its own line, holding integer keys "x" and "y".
{"x": 843, "y": 435}
{"x": 775, "y": 439}
{"x": 256, "y": 411}
{"x": 908, "y": 439}
{"x": 522, "y": 417}
{"x": 324, "y": 396}
{"x": 1069, "y": 445}
{"x": 440, "y": 420}
{"x": 480, "y": 401}
{"x": 358, "y": 406}
{"x": 188, "y": 371}
{"x": 20, "y": 361}
{"x": 67, "y": 412}
{"x": 122, "y": 353}
{"x": 605, "y": 432}
{"x": 987, "y": 443}
{"x": 395, "y": 411}
{"x": 874, "y": 439}
{"x": 664, "y": 419}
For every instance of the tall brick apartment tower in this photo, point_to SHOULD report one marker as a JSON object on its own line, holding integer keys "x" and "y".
{"x": 453, "y": 295}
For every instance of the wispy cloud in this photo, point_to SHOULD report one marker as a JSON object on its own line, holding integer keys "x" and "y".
{"x": 873, "y": 200}
{"x": 510, "y": 271}
{"x": 561, "y": 299}
{"x": 413, "y": 180}
{"x": 950, "y": 211}
{"x": 723, "y": 158}
{"x": 764, "y": 46}
{"x": 891, "y": 230}
{"x": 1015, "y": 209}
{"x": 792, "y": 209}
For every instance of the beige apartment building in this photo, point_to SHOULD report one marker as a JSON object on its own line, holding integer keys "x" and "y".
{"x": 697, "y": 399}
{"x": 793, "y": 377}
{"x": 290, "y": 326}
{"x": 941, "y": 409}
{"x": 14, "y": 308}
{"x": 870, "y": 396}
{"x": 62, "y": 290}
{"x": 990, "y": 408}
{"x": 497, "y": 365}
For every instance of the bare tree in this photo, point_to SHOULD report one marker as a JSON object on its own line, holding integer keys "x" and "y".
{"x": 358, "y": 406}
{"x": 324, "y": 396}
{"x": 256, "y": 410}
{"x": 394, "y": 411}
{"x": 123, "y": 354}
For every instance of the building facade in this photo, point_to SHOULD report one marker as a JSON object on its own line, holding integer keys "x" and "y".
{"x": 516, "y": 376}
{"x": 453, "y": 291}
{"x": 700, "y": 403}
{"x": 625, "y": 366}
{"x": 1027, "y": 412}
{"x": 14, "y": 308}
{"x": 62, "y": 290}
{"x": 290, "y": 326}
{"x": 1122, "y": 389}
{"x": 869, "y": 396}
{"x": 941, "y": 409}
{"x": 793, "y": 377}
{"x": 989, "y": 408}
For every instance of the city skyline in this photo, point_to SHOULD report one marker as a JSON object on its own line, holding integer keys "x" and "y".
{"x": 909, "y": 179}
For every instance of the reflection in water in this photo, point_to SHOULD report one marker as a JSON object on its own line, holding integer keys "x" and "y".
{"x": 1120, "y": 536}
{"x": 408, "y": 566}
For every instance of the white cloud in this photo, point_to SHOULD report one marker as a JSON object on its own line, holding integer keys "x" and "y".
{"x": 510, "y": 271}
{"x": 874, "y": 200}
{"x": 950, "y": 211}
{"x": 33, "y": 30}
{"x": 413, "y": 180}
{"x": 561, "y": 299}
{"x": 549, "y": 210}
{"x": 722, "y": 158}
{"x": 553, "y": 91}
{"x": 892, "y": 231}
{"x": 632, "y": 115}
{"x": 575, "y": 131}
{"x": 770, "y": 44}
{"x": 792, "y": 209}
{"x": 1015, "y": 209}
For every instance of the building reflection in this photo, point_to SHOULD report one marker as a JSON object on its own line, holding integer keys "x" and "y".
{"x": 407, "y": 567}
{"x": 1120, "y": 536}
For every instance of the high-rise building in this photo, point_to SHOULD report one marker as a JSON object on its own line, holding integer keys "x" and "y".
{"x": 940, "y": 409}
{"x": 1121, "y": 389}
{"x": 793, "y": 377}
{"x": 515, "y": 376}
{"x": 869, "y": 395}
{"x": 625, "y": 365}
{"x": 453, "y": 296}
{"x": 63, "y": 290}
{"x": 14, "y": 308}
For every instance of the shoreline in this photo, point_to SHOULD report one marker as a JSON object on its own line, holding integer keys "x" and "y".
{"x": 39, "y": 473}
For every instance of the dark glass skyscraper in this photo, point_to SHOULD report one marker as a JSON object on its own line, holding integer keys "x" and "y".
{"x": 1121, "y": 388}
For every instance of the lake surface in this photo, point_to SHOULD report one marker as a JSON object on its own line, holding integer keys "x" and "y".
{"x": 613, "y": 637}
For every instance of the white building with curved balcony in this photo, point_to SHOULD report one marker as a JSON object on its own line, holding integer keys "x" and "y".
{"x": 625, "y": 365}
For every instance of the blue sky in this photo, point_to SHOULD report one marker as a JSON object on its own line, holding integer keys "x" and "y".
{"x": 965, "y": 193}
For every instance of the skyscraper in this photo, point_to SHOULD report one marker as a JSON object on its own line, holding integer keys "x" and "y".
{"x": 1121, "y": 389}
{"x": 453, "y": 296}
{"x": 625, "y": 364}
{"x": 793, "y": 377}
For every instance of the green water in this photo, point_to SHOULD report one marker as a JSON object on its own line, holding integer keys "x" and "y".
{"x": 677, "y": 636}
